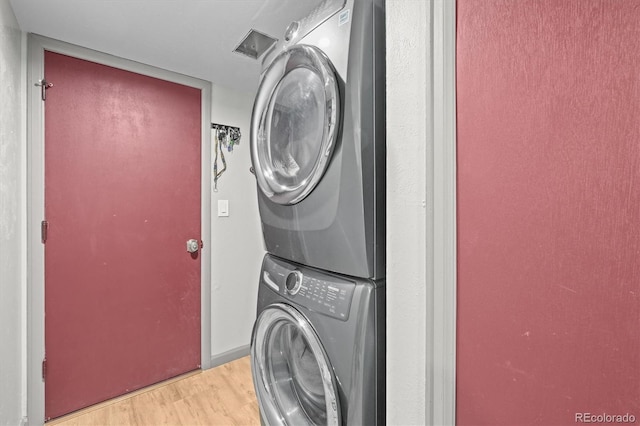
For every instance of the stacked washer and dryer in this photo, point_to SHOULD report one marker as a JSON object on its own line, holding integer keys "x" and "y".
{"x": 318, "y": 154}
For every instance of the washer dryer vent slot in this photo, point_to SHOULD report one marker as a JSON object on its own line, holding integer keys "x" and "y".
{"x": 255, "y": 44}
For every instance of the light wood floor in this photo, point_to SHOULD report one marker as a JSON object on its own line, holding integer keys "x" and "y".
{"x": 220, "y": 396}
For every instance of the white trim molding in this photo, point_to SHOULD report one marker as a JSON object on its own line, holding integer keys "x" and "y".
{"x": 441, "y": 351}
{"x": 230, "y": 355}
{"x": 35, "y": 187}
{"x": 421, "y": 212}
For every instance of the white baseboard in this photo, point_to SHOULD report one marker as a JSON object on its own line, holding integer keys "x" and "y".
{"x": 229, "y": 356}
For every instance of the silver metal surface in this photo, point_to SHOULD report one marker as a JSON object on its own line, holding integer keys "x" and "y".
{"x": 336, "y": 227}
{"x": 44, "y": 231}
{"x": 288, "y": 364}
{"x": 284, "y": 395}
{"x": 294, "y": 124}
{"x": 308, "y": 23}
{"x": 193, "y": 246}
{"x": 339, "y": 224}
{"x": 294, "y": 288}
{"x": 292, "y": 30}
{"x": 44, "y": 85}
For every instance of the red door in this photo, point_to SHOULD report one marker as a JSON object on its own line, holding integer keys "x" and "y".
{"x": 122, "y": 197}
{"x": 548, "y": 212}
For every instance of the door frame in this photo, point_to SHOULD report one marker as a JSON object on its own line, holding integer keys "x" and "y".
{"x": 35, "y": 208}
{"x": 421, "y": 217}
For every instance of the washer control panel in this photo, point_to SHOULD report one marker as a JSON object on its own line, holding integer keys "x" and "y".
{"x": 315, "y": 290}
{"x": 326, "y": 294}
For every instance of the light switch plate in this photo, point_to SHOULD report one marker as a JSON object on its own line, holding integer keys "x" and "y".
{"x": 223, "y": 208}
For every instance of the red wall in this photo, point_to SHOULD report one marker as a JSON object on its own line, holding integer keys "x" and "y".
{"x": 548, "y": 210}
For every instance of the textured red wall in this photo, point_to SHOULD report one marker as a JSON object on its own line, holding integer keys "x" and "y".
{"x": 548, "y": 210}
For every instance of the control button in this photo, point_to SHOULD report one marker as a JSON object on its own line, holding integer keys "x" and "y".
{"x": 294, "y": 282}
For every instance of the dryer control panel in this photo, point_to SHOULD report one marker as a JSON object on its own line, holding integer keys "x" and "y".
{"x": 315, "y": 290}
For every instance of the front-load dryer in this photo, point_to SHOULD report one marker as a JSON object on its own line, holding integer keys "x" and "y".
{"x": 318, "y": 140}
{"x": 318, "y": 347}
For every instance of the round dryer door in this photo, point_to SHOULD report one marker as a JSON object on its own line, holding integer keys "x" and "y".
{"x": 294, "y": 124}
{"x": 292, "y": 375}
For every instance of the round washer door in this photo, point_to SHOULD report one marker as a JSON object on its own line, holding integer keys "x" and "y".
{"x": 293, "y": 378}
{"x": 295, "y": 123}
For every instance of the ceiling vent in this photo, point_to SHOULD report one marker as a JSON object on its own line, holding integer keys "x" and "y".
{"x": 254, "y": 44}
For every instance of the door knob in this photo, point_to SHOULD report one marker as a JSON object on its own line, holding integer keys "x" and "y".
{"x": 193, "y": 246}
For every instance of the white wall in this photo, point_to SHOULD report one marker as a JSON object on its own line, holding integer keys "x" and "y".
{"x": 237, "y": 240}
{"x": 408, "y": 80}
{"x": 11, "y": 217}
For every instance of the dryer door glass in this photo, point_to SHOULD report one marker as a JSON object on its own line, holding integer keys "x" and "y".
{"x": 292, "y": 375}
{"x": 294, "y": 124}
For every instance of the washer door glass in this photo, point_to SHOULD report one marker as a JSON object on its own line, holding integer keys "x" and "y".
{"x": 292, "y": 376}
{"x": 294, "y": 124}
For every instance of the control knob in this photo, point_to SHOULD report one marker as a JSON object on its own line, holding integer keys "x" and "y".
{"x": 293, "y": 282}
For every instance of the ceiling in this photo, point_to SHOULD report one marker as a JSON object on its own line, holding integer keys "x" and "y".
{"x": 192, "y": 37}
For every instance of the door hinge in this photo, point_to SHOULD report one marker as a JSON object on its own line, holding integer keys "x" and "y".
{"x": 44, "y": 368}
{"x": 44, "y": 230}
{"x": 44, "y": 85}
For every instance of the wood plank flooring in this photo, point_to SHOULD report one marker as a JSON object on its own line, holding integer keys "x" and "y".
{"x": 220, "y": 396}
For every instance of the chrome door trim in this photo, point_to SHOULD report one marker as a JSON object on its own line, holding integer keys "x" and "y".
{"x": 313, "y": 59}
{"x": 265, "y": 392}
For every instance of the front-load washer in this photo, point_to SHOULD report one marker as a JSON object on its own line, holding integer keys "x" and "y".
{"x": 318, "y": 140}
{"x": 318, "y": 347}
